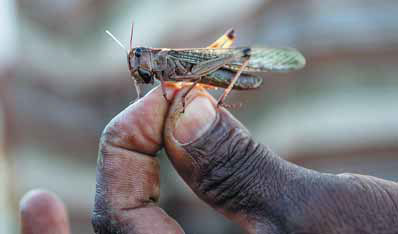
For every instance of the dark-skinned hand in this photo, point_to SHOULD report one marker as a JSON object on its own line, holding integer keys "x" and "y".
{"x": 216, "y": 156}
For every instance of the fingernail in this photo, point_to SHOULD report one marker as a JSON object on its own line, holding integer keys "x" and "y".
{"x": 197, "y": 118}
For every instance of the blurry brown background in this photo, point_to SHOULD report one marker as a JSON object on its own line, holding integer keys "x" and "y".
{"x": 62, "y": 79}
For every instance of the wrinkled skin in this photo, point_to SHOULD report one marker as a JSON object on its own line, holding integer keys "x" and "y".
{"x": 216, "y": 156}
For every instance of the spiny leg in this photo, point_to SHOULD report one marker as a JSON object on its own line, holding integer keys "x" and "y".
{"x": 221, "y": 100}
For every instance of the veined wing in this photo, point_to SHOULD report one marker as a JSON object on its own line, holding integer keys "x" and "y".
{"x": 272, "y": 59}
{"x": 261, "y": 59}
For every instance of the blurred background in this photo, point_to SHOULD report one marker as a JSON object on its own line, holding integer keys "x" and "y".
{"x": 62, "y": 79}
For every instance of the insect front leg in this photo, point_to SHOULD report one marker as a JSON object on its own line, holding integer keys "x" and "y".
{"x": 188, "y": 91}
{"x": 190, "y": 78}
{"x": 162, "y": 85}
{"x": 163, "y": 68}
{"x": 137, "y": 90}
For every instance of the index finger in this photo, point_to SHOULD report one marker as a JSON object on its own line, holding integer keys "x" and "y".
{"x": 139, "y": 127}
{"x": 128, "y": 173}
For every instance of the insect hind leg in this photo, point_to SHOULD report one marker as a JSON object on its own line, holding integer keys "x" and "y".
{"x": 225, "y": 41}
{"x": 221, "y": 100}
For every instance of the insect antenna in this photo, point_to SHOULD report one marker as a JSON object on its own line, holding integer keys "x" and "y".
{"x": 131, "y": 35}
{"x": 137, "y": 87}
{"x": 117, "y": 41}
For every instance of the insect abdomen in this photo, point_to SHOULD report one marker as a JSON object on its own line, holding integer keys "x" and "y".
{"x": 222, "y": 78}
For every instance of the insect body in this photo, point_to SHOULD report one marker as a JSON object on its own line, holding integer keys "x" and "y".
{"x": 217, "y": 65}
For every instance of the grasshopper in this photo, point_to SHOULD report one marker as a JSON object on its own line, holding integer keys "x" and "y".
{"x": 217, "y": 65}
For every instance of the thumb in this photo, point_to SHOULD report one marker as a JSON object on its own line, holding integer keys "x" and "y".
{"x": 215, "y": 155}
{"x": 225, "y": 167}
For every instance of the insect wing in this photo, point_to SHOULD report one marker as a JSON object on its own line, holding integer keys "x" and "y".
{"x": 193, "y": 56}
{"x": 272, "y": 59}
{"x": 261, "y": 59}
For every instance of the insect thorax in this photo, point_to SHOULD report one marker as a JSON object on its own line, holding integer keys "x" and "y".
{"x": 168, "y": 66}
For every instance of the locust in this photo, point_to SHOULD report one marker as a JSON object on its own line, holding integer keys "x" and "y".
{"x": 217, "y": 65}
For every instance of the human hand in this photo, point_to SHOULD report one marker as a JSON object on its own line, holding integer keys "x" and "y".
{"x": 226, "y": 168}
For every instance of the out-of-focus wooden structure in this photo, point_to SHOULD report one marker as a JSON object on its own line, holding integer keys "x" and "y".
{"x": 6, "y": 211}
{"x": 340, "y": 113}
{"x": 8, "y": 208}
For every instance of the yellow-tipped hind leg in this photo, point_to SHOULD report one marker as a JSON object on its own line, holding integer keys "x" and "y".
{"x": 225, "y": 41}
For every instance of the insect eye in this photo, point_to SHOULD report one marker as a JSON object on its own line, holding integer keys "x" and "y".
{"x": 138, "y": 52}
